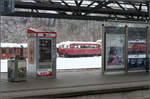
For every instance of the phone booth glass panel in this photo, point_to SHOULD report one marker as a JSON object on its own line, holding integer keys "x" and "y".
{"x": 45, "y": 50}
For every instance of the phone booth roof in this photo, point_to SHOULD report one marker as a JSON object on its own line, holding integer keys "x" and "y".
{"x": 34, "y": 33}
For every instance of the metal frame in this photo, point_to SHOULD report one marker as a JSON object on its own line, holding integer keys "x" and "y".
{"x": 103, "y": 49}
{"x": 126, "y": 49}
{"x": 104, "y": 52}
{"x": 148, "y": 46}
{"x": 145, "y": 27}
{"x": 132, "y": 10}
{"x": 127, "y": 68}
{"x": 0, "y": 40}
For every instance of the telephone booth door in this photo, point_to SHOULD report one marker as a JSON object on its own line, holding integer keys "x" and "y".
{"x": 44, "y": 57}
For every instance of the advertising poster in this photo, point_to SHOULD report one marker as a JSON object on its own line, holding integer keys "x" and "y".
{"x": 115, "y": 51}
{"x": 137, "y": 48}
{"x": 31, "y": 52}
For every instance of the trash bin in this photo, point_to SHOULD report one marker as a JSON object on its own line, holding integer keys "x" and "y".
{"x": 16, "y": 70}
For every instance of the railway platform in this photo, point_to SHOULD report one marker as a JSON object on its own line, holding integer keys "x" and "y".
{"x": 71, "y": 83}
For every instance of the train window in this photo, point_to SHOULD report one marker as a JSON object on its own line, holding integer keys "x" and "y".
{"x": 18, "y": 50}
{"x": 68, "y": 46}
{"x": 76, "y": 46}
{"x": 3, "y": 50}
{"x": 93, "y": 46}
{"x": 14, "y": 50}
{"x": 86, "y": 46}
{"x": 9, "y": 50}
{"x": 62, "y": 46}
{"x": 79, "y": 46}
{"x": 82, "y": 46}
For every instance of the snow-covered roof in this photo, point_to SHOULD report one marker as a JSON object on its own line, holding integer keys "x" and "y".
{"x": 36, "y": 30}
{"x": 10, "y": 45}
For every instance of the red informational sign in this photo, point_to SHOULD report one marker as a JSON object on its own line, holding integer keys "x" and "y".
{"x": 44, "y": 72}
{"x": 35, "y": 33}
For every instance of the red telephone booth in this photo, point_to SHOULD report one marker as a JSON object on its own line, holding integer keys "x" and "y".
{"x": 41, "y": 54}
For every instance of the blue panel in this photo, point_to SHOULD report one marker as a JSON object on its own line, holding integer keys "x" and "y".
{"x": 7, "y": 6}
{"x": 138, "y": 63}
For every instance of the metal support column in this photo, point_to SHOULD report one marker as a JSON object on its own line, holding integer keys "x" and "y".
{"x": 1, "y": 96}
{"x": 103, "y": 49}
{"x": 126, "y": 48}
{"x": 0, "y": 41}
{"x": 148, "y": 37}
{"x": 147, "y": 45}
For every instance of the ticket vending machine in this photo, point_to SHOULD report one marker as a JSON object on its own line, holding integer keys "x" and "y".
{"x": 41, "y": 54}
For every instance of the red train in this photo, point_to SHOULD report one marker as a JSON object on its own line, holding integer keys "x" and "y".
{"x": 69, "y": 48}
{"x": 65, "y": 49}
{"x": 9, "y": 50}
{"x": 137, "y": 48}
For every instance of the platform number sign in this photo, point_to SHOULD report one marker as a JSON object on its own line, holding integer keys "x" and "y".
{"x": 7, "y": 6}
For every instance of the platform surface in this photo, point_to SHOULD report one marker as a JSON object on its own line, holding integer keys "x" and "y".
{"x": 73, "y": 82}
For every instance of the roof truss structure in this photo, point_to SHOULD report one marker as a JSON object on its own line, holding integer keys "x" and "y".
{"x": 132, "y": 10}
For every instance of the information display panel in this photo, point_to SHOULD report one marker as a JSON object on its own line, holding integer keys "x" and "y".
{"x": 137, "y": 58}
{"x": 114, "y": 48}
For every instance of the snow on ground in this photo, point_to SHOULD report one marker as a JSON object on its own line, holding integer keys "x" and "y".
{"x": 69, "y": 63}
{"x": 76, "y": 63}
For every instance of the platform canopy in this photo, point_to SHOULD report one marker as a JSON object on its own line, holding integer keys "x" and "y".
{"x": 134, "y": 10}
